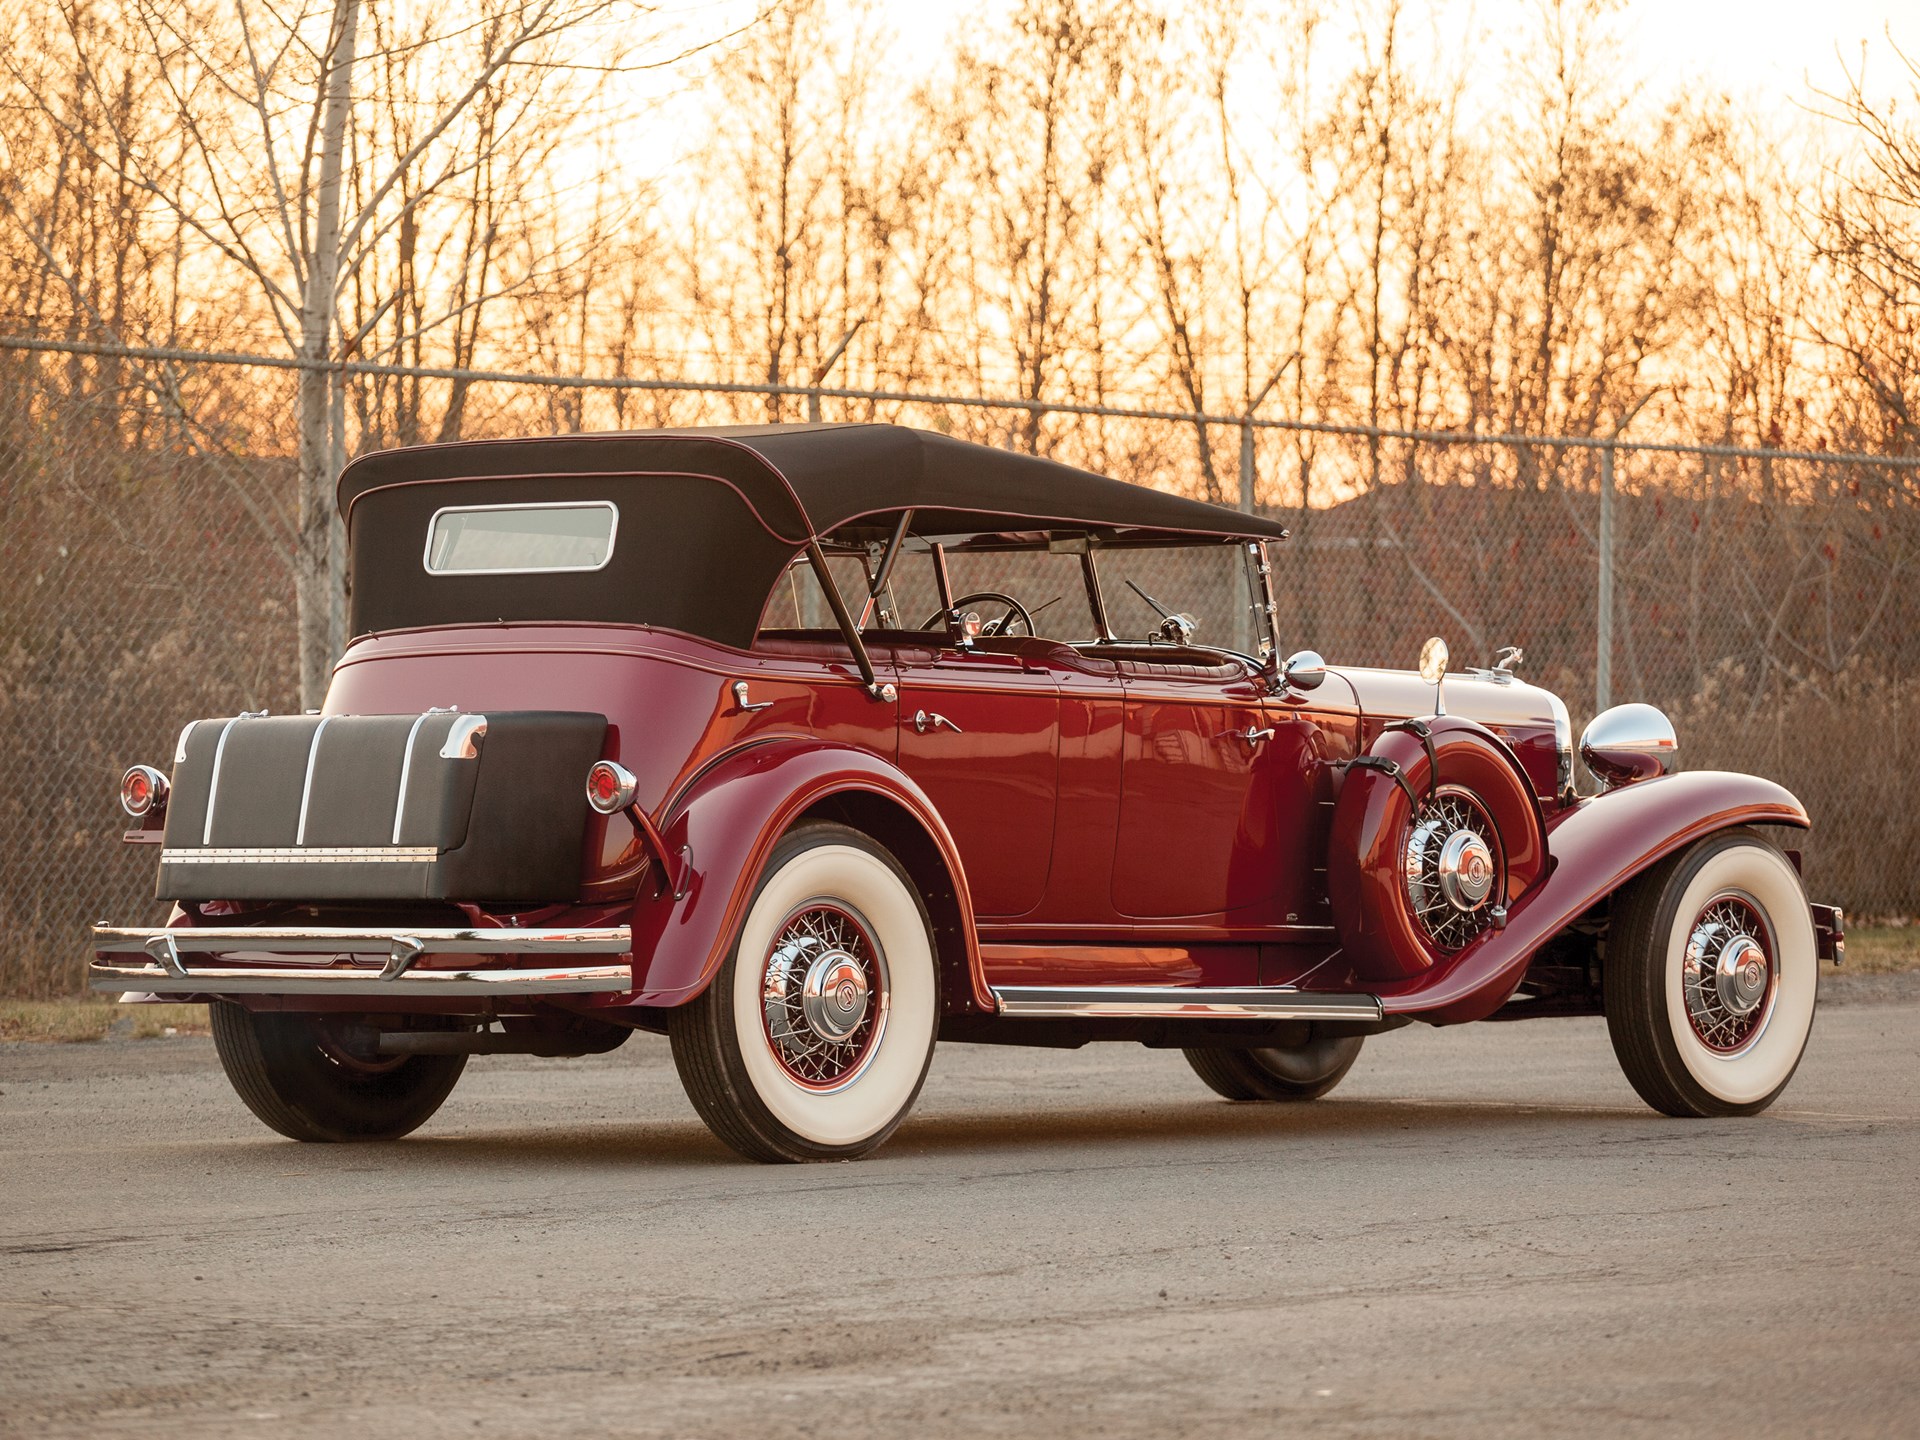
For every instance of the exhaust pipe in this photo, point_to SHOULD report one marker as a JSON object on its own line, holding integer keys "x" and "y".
{"x": 559, "y": 1045}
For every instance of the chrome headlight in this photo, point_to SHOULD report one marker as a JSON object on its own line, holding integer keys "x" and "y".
{"x": 1563, "y": 787}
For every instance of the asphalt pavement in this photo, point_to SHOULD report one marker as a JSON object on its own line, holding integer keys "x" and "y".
{"x": 1482, "y": 1233}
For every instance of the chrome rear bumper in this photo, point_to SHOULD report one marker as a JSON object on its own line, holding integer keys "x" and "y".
{"x": 360, "y": 961}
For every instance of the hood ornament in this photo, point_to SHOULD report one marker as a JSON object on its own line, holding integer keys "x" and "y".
{"x": 1505, "y": 661}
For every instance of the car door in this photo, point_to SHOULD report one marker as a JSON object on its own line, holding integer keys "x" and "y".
{"x": 980, "y": 733}
{"x": 1225, "y": 794}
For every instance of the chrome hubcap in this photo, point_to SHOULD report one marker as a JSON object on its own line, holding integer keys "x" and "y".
{"x": 1466, "y": 870}
{"x": 834, "y": 995}
{"x": 1452, "y": 869}
{"x": 823, "y": 996}
{"x": 1740, "y": 975}
{"x": 1727, "y": 975}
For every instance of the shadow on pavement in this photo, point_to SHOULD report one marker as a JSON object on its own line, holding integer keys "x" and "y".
{"x": 982, "y": 1134}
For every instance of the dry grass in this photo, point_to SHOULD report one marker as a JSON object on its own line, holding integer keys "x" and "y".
{"x": 1839, "y": 746}
{"x": 1882, "y": 949}
{"x": 75, "y": 1021}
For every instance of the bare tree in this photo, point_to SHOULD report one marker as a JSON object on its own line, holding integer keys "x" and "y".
{"x": 1870, "y": 234}
{"x": 282, "y": 181}
{"x": 1041, "y": 165}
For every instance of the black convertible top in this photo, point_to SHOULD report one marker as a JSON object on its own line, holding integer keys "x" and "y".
{"x": 805, "y": 481}
{"x": 710, "y": 519}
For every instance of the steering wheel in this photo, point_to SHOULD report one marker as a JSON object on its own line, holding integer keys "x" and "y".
{"x": 1015, "y": 611}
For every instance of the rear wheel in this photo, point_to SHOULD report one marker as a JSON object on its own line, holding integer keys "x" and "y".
{"x": 302, "y": 1075}
{"x": 1294, "y": 1072}
{"x": 1711, "y": 975}
{"x": 813, "y": 1039}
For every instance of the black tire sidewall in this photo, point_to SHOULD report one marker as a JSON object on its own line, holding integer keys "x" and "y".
{"x": 283, "y": 1071}
{"x": 1261, "y": 1074}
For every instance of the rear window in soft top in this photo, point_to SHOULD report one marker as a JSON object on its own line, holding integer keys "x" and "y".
{"x": 521, "y": 538}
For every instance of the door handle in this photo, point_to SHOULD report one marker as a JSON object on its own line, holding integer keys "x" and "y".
{"x": 1251, "y": 735}
{"x": 924, "y": 721}
{"x": 740, "y": 701}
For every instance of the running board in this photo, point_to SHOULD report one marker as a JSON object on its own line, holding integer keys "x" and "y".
{"x": 1179, "y": 1002}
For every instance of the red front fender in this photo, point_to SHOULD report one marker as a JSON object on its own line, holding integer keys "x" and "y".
{"x": 1595, "y": 848}
{"x": 728, "y": 820}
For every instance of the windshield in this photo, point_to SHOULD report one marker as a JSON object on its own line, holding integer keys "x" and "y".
{"x": 1216, "y": 586}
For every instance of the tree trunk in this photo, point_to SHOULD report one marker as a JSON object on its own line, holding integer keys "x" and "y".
{"x": 317, "y": 569}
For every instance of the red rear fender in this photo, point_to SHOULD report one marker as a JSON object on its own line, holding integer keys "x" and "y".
{"x": 729, "y": 818}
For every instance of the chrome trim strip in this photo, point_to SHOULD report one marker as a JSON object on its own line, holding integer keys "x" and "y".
{"x": 1180, "y": 1002}
{"x": 306, "y": 788}
{"x": 316, "y": 854}
{"x": 180, "y": 745}
{"x": 1565, "y": 789}
{"x": 406, "y": 763}
{"x": 219, "y": 754}
{"x": 464, "y": 737}
{"x": 153, "y": 979}
{"x": 355, "y": 940}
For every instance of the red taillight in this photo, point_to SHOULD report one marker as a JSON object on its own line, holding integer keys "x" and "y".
{"x": 609, "y": 787}
{"x": 143, "y": 790}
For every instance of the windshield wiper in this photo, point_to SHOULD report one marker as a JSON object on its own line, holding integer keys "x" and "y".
{"x": 1158, "y": 608}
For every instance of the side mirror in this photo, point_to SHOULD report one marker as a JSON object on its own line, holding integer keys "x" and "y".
{"x": 1304, "y": 670}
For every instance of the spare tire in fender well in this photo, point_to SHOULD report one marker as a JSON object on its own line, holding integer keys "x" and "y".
{"x": 1372, "y": 814}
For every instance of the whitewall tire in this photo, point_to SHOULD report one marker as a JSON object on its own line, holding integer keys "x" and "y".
{"x": 1711, "y": 975}
{"x": 813, "y": 1039}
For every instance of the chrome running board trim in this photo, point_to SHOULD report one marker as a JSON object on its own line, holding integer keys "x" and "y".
{"x": 1179, "y": 1002}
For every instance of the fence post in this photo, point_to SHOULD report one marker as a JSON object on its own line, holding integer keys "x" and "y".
{"x": 819, "y": 375}
{"x": 1603, "y": 619}
{"x": 1246, "y": 468}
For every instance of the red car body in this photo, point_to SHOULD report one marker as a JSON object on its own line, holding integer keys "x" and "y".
{"x": 1148, "y": 840}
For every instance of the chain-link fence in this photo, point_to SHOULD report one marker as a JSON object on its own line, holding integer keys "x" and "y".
{"x": 1765, "y": 598}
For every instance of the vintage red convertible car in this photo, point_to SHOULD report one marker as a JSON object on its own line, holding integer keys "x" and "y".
{"x": 809, "y": 745}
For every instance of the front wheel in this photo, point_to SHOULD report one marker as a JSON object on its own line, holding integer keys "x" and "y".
{"x": 1711, "y": 973}
{"x": 814, "y": 1037}
{"x": 1292, "y": 1072}
{"x": 304, "y": 1076}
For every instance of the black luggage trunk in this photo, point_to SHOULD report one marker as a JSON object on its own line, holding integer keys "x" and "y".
{"x": 440, "y": 806}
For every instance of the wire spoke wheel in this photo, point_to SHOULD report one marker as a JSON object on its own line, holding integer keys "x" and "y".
{"x": 1454, "y": 868}
{"x": 824, "y": 993}
{"x": 1728, "y": 976}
